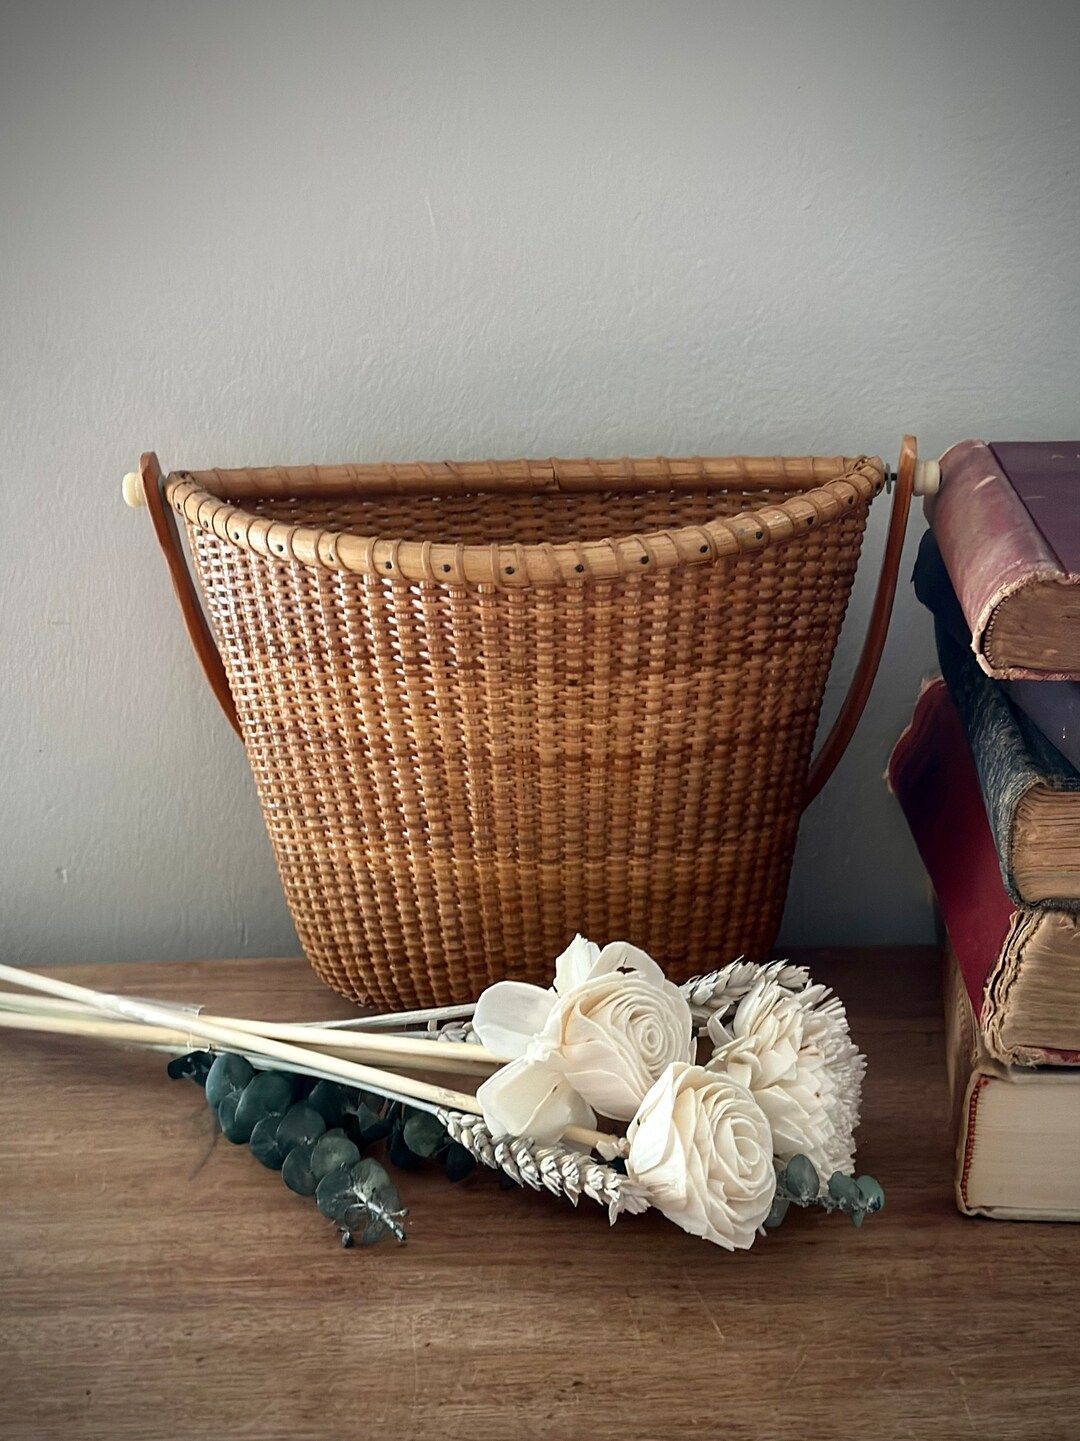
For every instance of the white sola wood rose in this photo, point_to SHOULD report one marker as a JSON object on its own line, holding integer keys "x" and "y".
{"x": 529, "y": 1098}
{"x": 701, "y": 1147}
{"x": 605, "y": 1030}
{"x": 616, "y": 1032}
{"x": 793, "y": 1052}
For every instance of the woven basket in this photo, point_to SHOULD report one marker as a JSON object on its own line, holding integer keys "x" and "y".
{"x": 489, "y": 705}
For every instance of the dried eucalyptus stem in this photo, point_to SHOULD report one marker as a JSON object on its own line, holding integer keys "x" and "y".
{"x": 554, "y": 1168}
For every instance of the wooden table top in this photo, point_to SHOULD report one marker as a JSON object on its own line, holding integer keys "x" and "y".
{"x": 157, "y": 1282}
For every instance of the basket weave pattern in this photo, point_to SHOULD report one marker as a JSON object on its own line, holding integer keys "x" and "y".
{"x": 457, "y": 775}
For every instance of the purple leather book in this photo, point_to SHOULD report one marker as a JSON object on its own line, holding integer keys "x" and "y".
{"x": 1053, "y": 706}
{"x": 1007, "y": 519}
{"x": 1046, "y": 476}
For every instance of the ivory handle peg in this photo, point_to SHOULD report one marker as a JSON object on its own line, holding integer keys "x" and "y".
{"x": 132, "y": 490}
{"x": 927, "y": 479}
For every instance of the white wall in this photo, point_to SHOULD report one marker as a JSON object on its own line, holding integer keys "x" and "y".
{"x": 258, "y": 232}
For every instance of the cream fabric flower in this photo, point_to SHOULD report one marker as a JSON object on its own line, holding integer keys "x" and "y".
{"x": 793, "y": 1053}
{"x": 702, "y": 1147}
{"x": 608, "y": 1027}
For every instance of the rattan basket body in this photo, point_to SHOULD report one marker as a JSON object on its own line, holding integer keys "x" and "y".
{"x": 487, "y": 706}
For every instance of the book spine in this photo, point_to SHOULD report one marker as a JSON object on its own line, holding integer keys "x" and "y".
{"x": 1001, "y": 759}
{"x": 989, "y": 542}
{"x": 1052, "y": 706}
{"x": 1011, "y": 755}
{"x": 932, "y": 776}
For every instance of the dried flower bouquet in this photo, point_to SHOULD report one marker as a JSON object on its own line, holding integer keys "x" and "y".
{"x": 719, "y": 1102}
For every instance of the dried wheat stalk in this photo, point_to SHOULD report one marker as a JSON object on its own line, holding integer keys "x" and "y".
{"x": 718, "y": 992}
{"x": 554, "y": 1168}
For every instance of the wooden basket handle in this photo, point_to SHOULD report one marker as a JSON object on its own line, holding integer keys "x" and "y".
{"x": 913, "y": 477}
{"x": 144, "y": 488}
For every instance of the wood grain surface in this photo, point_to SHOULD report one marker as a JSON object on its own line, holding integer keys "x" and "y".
{"x": 156, "y": 1282}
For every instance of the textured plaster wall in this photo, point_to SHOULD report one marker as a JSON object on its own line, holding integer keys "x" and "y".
{"x": 259, "y": 232}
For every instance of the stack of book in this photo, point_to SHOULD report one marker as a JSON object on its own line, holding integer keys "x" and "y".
{"x": 988, "y": 775}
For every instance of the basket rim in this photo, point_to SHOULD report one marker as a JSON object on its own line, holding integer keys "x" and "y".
{"x": 825, "y": 488}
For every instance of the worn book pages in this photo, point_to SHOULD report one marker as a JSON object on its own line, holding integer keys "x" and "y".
{"x": 1018, "y": 1131}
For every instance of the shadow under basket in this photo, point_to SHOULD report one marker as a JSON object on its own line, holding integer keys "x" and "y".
{"x": 488, "y": 705}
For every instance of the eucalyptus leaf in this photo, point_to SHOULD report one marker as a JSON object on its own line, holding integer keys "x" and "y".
{"x": 371, "y": 1124}
{"x": 873, "y": 1197}
{"x": 373, "y": 1181}
{"x": 329, "y": 1100}
{"x": 267, "y": 1094}
{"x": 301, "y": 1125}
{"x": 458, "y": 1163}
{"x": 332, "y": 1150}
{"x": 400, "y": 1152}
{"x": 843, "y": 1189}
{"x": 335, "y": 1194}
{"x": 374, "y": 1231}
{"x": 801, "y": 1180}
{"x": 362, "y": 1190}
{"x": 265, "y": 1146}
{"x": 195, "y": 1066}
{"x": 296, "y": 1171}
{"x": 777, "y": 1211}
{"x": 424, "y": 1134}
{"x": 228, "y": 1076}
{"x": 226, "y": 1114}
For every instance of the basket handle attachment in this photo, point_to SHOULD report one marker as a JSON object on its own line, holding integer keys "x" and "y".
{"x": 913, "y": 477}
{"x": 144, "y": 488}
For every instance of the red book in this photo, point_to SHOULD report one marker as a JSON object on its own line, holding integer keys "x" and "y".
{"x": 1020, "y": 966}
{"x": 1007, "y": 521}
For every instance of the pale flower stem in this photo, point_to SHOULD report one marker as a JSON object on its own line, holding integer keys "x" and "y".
{"x": 130, "y": 1033}
{"x": 410, "y": 1024}
{"x": 241, "y": 1041}
{"x": 127, "y": 1032}
{"x": 606, "y": 1142}
{"x": 409, "y": 1050}
{"x": 402, "y": 1020}
{"x": 412, "y": 1054}
{"x": 294, "y": 1057}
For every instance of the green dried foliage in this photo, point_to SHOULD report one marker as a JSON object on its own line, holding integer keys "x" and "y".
{"x": 315, "y": 1133}
{"x": 798, "y": 1184}
{"x": 227, "y": 1077}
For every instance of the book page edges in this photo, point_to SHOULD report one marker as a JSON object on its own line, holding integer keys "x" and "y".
{"x": 971, "y": 1073}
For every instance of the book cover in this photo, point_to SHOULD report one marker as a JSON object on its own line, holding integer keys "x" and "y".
{"x": 1052, "y": 706}
{"x": 1012, "y": 550}
{"x": 1021, "y": 967}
